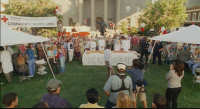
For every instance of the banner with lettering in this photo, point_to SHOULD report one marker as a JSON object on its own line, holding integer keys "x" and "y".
{"x": 20, "y": 21}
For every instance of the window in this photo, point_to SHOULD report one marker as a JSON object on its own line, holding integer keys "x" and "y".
{"x": 199, "y": 16}
{"x": 189, "y": 17}
{"x": 194, "y": 16}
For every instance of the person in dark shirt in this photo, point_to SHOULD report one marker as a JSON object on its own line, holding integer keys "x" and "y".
{"x": 52, "y": 98}
{"x": 137, "y": 76}
{"x": 144, "y": 49}
{"x": 157, "y": 52}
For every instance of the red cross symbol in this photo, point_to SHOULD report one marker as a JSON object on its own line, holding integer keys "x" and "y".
{"x": 4, "y": 19}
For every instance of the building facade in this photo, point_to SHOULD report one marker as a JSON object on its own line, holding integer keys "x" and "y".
{"x": 85, "y": 12}
{"x": 193, "y": 16}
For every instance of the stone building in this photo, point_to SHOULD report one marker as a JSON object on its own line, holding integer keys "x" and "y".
{"x": 193, "y": 16}
{"x": 86, "y": 11}
{"x": 193, "y": 11}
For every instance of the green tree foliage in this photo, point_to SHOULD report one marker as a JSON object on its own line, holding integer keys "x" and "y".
{"x": 126, "y": 30}
{"x": 168, "y": 13}
{"x": 34, "y": 8}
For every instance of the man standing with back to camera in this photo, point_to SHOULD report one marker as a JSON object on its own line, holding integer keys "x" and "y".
{"x": 117, "y": 83}
{"x": 144, "y": 49}
{"x": 157, "y": 51}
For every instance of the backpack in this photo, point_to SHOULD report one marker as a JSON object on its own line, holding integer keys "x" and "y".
{"x": 122, "y": 88}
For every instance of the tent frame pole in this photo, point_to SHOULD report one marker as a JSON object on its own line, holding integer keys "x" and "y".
{"x": 152, "y": 51}
{"x": 48, "y": 61}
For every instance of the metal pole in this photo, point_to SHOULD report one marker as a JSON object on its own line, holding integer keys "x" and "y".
{"x": 152, "y": 52}
{"x": 48, "y": 61}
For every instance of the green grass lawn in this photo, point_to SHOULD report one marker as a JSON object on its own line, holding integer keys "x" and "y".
{"x": 77, "y": 79}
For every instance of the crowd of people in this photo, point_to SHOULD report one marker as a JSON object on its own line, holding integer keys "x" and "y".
{"x": 122, "y": 87}
{"x": 122, "y": 90}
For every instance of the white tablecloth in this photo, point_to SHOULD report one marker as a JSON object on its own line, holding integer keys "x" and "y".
{"x": 97, "y": 58}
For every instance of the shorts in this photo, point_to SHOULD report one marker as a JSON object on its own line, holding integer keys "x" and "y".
{"x": 141, "y": 95}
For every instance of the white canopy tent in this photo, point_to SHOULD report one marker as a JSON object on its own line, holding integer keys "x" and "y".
{"x": 189, "y": 34}
{"x": 12, "y": 37}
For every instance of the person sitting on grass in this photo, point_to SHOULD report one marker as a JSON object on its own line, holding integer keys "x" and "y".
{"x": 123, "y": 101}
{"x": 92, "y": 97}
{"x": 10, "y": 100}
{"x": 159, "y": 102}
{"x": 41, "y": 105}
{"x": 52, "y": 98}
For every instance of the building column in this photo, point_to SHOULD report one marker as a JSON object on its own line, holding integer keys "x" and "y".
{"x": 106, "y": 11}
{"x": 118, "y": 11}
{"x": 80, "y": 11}
{"x": 93, "y": 14}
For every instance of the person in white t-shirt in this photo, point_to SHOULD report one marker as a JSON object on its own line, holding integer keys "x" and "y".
{"x": 125, "y": 44}
{"x": 117, "y": 44}
{"x": 70, "y": 48}
{"x": 87, "y": 45}
{"x": 101, "y": 44}
{"x": 7, "y": 66}
{"x": 93, "y": 45}
{"x": 107, "y": 57}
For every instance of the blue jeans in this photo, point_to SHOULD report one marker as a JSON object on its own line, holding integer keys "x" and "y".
{"x": 190, "y": 63}
{"x": 194, "y": 67}
{"x": 31, "y": 66}
{"x": 62, "y": 64}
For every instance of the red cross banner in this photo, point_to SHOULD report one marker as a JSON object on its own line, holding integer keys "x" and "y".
{"x": 20, "y": 21}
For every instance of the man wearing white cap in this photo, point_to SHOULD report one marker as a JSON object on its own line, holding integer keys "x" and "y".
{"x": 117, "y": 83}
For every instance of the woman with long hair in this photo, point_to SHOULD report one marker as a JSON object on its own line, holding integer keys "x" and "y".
{"x": 174, "y": 78}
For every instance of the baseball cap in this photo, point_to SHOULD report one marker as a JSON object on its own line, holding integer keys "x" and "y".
{"x": 53, "y": 84}
{"x": 121, "y": 66}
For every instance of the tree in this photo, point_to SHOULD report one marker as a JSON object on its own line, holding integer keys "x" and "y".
{"x": 168, "y": 13}
{"x": 34, "y": 8}
{"x": 126, "y": 29}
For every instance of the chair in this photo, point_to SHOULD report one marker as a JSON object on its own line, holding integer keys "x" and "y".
{"x": 41, "y": 67}
{"x": 197, "y": 76}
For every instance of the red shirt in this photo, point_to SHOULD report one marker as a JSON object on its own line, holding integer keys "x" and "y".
{"x": 135, "y": 41}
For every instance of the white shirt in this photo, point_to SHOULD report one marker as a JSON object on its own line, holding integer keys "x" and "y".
{"x": 125, "y": 45}
{"x": 70, "y": 46}
{"x": 87, "y": 45}
{"x": 101, "y": 44}
{"x": 6, "y": 61}
{"x": 93, "y": 45}
{"x": 174, "y": 81}
{"x": 107, "y": 55}
{"x": 117, "y": 45}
